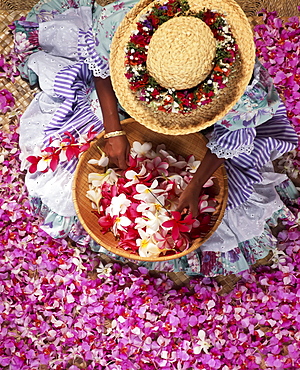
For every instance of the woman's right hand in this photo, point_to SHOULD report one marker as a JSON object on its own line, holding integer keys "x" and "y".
{"x": 189, "y": 199}
{"x": 117, "y": 149}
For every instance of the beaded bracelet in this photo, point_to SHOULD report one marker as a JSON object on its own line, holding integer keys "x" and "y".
{"x": 114, "y": 134}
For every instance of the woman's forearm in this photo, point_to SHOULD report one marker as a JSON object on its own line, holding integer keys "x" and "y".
{"x": 208, "y": 166}
{"x": 108, "y": 103}
{"x": 117, "y": 147}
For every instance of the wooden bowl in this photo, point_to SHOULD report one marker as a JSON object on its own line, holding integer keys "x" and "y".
{"x": 184, "y": 145}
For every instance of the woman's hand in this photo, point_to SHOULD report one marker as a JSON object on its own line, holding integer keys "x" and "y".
{"x": 189, "y": 199}
{"x": 117, "y": 149}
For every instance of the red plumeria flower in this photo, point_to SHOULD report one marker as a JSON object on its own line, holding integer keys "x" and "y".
{"x": 178, "y": 224}
{"x": 34, "y": 162}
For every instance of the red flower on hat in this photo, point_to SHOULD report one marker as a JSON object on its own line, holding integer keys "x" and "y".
{"x": 140, "y": 40}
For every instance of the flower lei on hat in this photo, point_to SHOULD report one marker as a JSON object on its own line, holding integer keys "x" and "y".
{"x": 171, "y": 100}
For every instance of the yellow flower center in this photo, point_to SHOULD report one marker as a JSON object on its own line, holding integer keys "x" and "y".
{"x": 158, "y": 207}
{"x": 144, "y": 243}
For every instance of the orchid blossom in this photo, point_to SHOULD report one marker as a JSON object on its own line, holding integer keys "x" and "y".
{"x": 202, "y": 344}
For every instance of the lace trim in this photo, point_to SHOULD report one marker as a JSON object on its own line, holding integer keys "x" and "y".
{"x": 221, "y": 152}
{"x": 92, "y": 65}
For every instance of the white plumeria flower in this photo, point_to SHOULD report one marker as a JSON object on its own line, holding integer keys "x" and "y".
{"x": 56, "y": 143}
{"x": 120, "y": 223}
{"x": 142, "y": 150}
{"x": 140, "y": 223}
{"x": 119, "y": 205}
{"x": 193, "y": 165}
{"x": 155, "y": 204}
{"x": 202, "y": 344}
{"x": 23, "y": 158}
{"x": 102, "y": 162}
{"x": 82, "y": 139}
{"x": 95, "y": 196}
{"x": 171, "y": 160}
{"x": 147, "y": 248}
{"x": 43, "y": 163}
{"x": 97, "y": 179}
{"x": 179, "y": 181}
{"x": 63, "y": 156}
{"x": 134, "y": 176}
{"x": 104, "y": 270}
{"x": 154, "y": 220}
{"x": 145, "y": 193}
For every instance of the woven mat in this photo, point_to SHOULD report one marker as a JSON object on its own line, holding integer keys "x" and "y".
{"x": 285, "y": 8}
{"x": 20, "y": 89}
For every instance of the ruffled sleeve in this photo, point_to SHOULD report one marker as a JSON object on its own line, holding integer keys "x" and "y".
{"x": 248, "y": 150}
{"x": 235, "y": 133}
{"x": 257, "y": 105}
{"x": 228, "y": 144}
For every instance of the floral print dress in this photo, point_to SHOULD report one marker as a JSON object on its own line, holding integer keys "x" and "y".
{"x": 64, "y": 43}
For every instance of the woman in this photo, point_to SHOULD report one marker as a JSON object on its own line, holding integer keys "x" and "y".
{"x": 71, "y": 62}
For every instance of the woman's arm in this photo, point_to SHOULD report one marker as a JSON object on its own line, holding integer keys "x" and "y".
{"x": 190, "y": 196}
{"x": 117, "y": 148}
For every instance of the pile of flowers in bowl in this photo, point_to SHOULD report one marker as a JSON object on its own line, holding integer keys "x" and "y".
{"x": 138, "y": 205}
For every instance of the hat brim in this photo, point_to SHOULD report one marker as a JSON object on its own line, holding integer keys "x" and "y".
{"x": 183, "y": 145}
{"x": 206, "y": 115}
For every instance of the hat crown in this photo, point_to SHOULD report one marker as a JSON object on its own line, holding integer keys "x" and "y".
{"x": 181, "y": 53}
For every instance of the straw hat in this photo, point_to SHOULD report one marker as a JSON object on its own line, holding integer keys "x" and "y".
{"x": 183, "y": 145}
{"x": 181, "y": 56}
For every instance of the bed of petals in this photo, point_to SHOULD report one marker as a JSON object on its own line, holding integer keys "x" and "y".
{"x": 278, "y": 45}
{"x": 61, "y": 309}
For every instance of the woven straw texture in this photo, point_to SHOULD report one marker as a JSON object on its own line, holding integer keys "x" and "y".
{"x": 184, "y": 145}
{"x": 206, "y": 115}
{"x": 285, "y": 8}
{"x": 20, "y": 89}
{"x": 167, "y": 41}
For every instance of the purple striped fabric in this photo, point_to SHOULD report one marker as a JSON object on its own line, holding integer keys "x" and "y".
{"x": 276, "y": 134}
{"x": 87, "y": 42}
{"x": 74, "y": 114}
